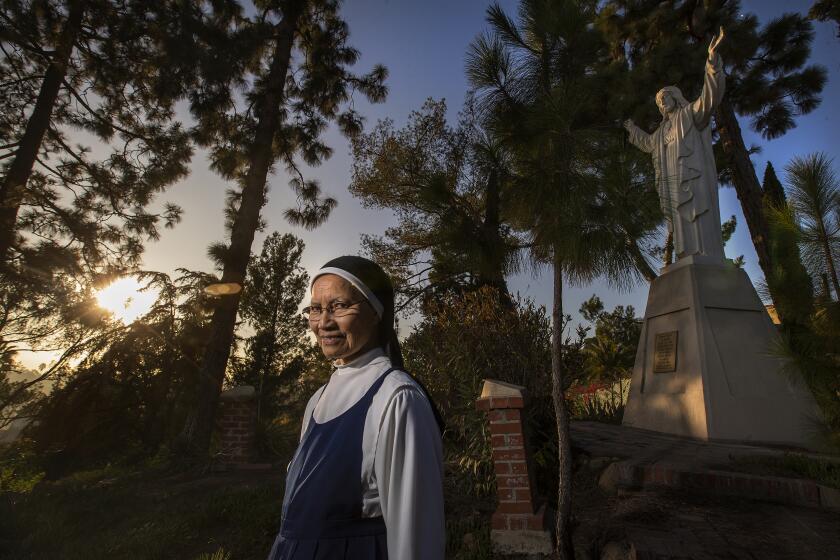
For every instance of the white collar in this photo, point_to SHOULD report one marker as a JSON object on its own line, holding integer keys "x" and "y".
{"x": 360, "y": 362}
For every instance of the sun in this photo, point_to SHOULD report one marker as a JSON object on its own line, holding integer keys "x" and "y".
{"x": 126, "y": 299}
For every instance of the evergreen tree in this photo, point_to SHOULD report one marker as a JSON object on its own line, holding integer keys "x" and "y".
{"x": 768, "y": 78}
{"x": 148, "y": 367}
{"x": 266, "y": 89}
{"x": 774, "y": 192}
{"x": 73, "y": 215}
{"x": 611, "y": 352}
{"x": 275, "y": 286}
{"x": 789, "y": 279}
{"x": 86, "y": 66}
{"x": 449, "y": 188}
{"x": 815, "y": 200}
{"x": 825, "y": 10}
{"x": 540, "y": 81}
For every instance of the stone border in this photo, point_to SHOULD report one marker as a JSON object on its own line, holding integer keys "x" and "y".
{"x": 791, "y": 491}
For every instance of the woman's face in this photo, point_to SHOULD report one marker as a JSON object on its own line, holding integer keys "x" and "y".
{"x": 345, "y": 337}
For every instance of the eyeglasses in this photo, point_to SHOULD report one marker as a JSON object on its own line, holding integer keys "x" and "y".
{"x": 335, "y": 308}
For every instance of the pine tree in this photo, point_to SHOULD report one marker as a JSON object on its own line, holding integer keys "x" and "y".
{"x": 540, "y": 81}
{"x": 825, "y": 10}
{"x": 267, "y": 88}
{"x": 449, "y": 188}
{"x": 72, "y": 215}
{"x": 89, "y": 66}
{"x": 815, "y": 199}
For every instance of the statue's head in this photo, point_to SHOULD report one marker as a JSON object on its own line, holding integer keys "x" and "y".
{"x": 669, "y": 99}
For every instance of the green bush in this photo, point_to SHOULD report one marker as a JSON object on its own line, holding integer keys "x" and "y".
{"x": 465, "y": 339}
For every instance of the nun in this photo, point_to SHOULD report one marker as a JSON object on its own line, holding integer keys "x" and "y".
{"x": 366, "y": 481}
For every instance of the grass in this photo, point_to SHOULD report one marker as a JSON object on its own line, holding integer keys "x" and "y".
{"x": 144, "y": 515}
{"x": 137, "y": 515}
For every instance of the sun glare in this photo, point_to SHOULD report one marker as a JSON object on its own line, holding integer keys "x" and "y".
{"x": 125, "y": 299}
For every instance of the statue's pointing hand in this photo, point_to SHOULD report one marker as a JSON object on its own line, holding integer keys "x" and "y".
{"x": 716, "y": 41}
{"x": 629, "y": 124}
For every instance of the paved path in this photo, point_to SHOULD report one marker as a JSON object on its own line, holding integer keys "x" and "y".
{"x": 673, "y": 526}
{"x": 646, "y": 447}
{"x": 666, "y": 523}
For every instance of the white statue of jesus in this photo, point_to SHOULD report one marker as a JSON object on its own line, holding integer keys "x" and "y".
{"x": 686, "y": 176}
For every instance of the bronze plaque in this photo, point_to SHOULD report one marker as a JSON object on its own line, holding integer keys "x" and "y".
{"x": 665, "y": 352}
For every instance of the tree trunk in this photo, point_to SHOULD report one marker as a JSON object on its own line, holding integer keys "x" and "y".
{"x": 14, "y": 186}
{"x": 639, "y": 259}
{"x": 492, "y": 244}
{"x": 746, "y": 184}
{"x": 199, "y": 426}
{"x": 565, "y": 550}
{"x": 832, "y": 270}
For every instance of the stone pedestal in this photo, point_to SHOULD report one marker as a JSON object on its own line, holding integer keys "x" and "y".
{"x": 521, "y": 524}
{"x": 705, "y": 366}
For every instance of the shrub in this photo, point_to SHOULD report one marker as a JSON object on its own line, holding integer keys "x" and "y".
{"x": 464, "y": 339}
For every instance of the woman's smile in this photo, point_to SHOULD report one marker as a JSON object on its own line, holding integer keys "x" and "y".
{"x": 332, "y": 339}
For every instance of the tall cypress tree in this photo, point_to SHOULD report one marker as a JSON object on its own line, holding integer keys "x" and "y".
{"x": 267, "y": 89}
{"x": 789, "y": 282}
{"x": 774, "y": 192}
{"x": 768, "y": 81}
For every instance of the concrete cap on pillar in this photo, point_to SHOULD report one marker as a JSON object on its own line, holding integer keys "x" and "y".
{"x": 499, "y": 394}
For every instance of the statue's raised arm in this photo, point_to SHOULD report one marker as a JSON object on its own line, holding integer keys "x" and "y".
{"x": 716, "y": 41}
{"x": 714, "y": 85}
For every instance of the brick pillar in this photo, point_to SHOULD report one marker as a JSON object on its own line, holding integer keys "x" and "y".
{"x": 237, "y": 425}
{"x": 519, "y": 523}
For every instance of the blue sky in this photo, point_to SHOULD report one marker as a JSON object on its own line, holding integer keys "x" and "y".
{"x": 423, "y": 45}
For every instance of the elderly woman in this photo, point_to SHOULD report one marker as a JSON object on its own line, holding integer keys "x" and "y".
{"x": 366, "y": 481}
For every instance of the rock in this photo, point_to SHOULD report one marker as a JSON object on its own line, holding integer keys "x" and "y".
{"x": 469, "y": 541}
{"x": 618, "y": 551}
{"x": 608, "y": 481}
{"x": 598, "y": 463}
{"x": 829, "y": 497}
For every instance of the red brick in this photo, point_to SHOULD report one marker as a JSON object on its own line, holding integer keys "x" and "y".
{"x": 504, "y": 415}
{"x": 515, "y": 507}
{"x": 518, "y": 467}
{"x": 502, "y": 467}
{"x": 499, "y": 521}
{"x": 512, "y": 428}
{"x": 518, "y": 522}
{"x": 497, "y": 441}
{"x": 522, "y": 495}
{"x": 536, "y": 522}
{"x": 514, "y": 440}
{"x": 483, "y": 404}
{"x": 513, "y": 482}
{"x": 512, "y": 455}
{"x": 516, "y": 402}
{"x": 507, "y": 495}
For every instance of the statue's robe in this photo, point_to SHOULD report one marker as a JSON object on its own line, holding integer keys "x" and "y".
{"x": 686, "y": 176}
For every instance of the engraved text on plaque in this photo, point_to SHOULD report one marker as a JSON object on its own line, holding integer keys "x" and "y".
{"x": 665, "y": 352}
